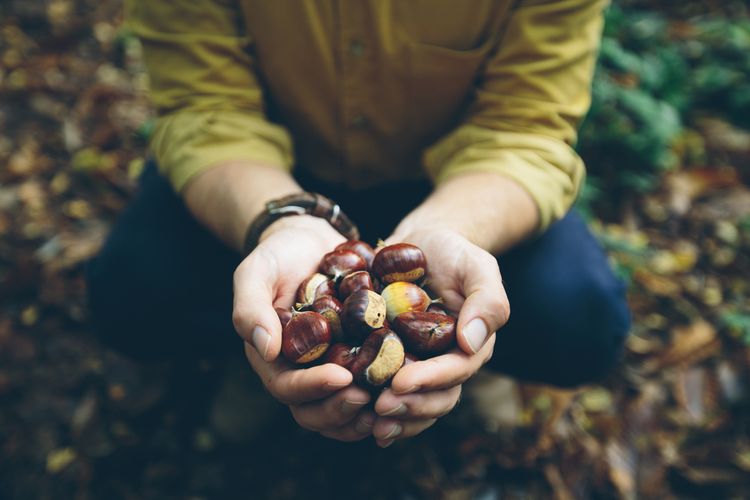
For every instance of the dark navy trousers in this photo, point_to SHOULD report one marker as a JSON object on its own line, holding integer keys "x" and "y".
{"x": 161, "y": 287}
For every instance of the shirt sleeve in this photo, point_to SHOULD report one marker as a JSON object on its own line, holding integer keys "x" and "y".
{"x": 528, "y": 104}
{"x": 204, "y": 87}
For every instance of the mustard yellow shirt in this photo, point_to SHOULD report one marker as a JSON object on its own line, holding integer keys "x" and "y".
{"x": 363, "y": 92}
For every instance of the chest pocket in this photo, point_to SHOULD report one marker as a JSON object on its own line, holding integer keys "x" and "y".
{"x": 448, "y": 44}
{"x": 441, "y": 85}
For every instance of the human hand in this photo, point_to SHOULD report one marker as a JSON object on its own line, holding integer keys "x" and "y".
{"x": 321, "y": 398}
{"x": 468, "y": 280}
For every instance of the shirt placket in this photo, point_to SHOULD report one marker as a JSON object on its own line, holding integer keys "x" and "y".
{"x": 354, "y": 51}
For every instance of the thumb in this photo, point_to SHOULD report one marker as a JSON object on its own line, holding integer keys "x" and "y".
{"x": 486, "y": 308}
{"x": 254, "y": 317}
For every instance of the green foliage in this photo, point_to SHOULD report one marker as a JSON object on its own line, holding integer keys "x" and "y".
{"x": 720, "y": 53}
{"x": 651, "y": 81}
{"x": 737, "y": 322}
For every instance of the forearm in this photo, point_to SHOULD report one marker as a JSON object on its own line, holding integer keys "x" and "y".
{"x": 490, "y": 210}
{"x": 227, "y": 197}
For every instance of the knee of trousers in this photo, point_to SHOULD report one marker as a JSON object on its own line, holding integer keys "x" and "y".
{"x": 592, "y": 322}
{"x": 120, "y": 312}
{"x": 151, "y": 308}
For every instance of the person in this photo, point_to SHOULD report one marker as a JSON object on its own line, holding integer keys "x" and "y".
{"x": 447, "y": 125}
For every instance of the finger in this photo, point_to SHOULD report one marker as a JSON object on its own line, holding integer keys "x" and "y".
{"x": 358, "y": 429}
{"x": 420, "y": 405}
{"x": 486, "y": 308}
{"x": 298, "y": 385}
{"x": 386, "y": 430}
{"x": 441, "y": 372}
{"x": 253, "y": 314}
{"x": 332, "y": 412}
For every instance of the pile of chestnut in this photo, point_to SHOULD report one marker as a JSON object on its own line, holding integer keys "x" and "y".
{"x": 367, "y": 312}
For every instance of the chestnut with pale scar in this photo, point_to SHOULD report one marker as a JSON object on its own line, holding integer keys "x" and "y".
{"x": 313, "y": 287}
{"x": 330, "y": 308}
{"x": 379, "y": 358}
{"x": 305, "y": 337}
{"x": 363, "y": 312}
{"x": 399, "y": 262}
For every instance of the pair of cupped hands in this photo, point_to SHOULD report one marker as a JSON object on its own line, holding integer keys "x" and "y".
{"x": 323, "y": 398}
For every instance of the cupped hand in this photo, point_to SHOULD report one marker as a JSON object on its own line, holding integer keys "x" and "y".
{"x": 321, "y": 398}
{"x": 468, "y": 280}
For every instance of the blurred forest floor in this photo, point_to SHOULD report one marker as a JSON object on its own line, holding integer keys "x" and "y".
{"x": 78, "y": 421}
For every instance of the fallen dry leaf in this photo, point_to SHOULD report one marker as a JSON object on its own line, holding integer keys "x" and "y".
{"x": 689, "y": 344}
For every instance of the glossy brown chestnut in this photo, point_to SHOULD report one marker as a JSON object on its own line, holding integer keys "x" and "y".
{"x": 363, "y": 312}
{"x": 313, "y": 287}
{"x": 402, "y": 296}
{"x": 379, "y": 358}
{"x": 330, "y": 308}
{"x": 399, "y": 262}
{"x": 339, "y": 263}
{"x": 325, "y": 303}
{"x": 284, "y": 315}
{"x": 437, "y": 307}
{"x": 360, "y": 280}
{"x": 359, "y": 247}
{"x": 341, "y": 354}
{"x": 305, "y": 337}
{"x": 426, "y": 333}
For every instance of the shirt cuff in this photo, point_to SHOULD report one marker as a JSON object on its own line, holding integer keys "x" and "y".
{"x": 547, "y": 168}
{"x": 187, "y": 143}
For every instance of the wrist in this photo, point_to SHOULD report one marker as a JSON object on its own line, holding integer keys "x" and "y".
{"x": 495, "y": 212}
{"x": 303, "y": 222}
{"x": 303, "y": 203}
{"x": 228, "y": 196}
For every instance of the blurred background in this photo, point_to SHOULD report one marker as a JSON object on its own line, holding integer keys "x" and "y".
{"x": 667, "y": 143}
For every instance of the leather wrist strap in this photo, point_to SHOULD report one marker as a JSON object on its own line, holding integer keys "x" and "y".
{"x": 313, "y": 204}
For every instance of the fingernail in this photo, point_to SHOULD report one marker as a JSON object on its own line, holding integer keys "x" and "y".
{"x": 364, "y": 424}
{"x": 475, "y": 333}
{"x": 394, "y": 432}
{"x": 409, "y": 390}
{"x": 337, "y": 384}
{"x": 352, "y": 406}
{"x": 399, "y": 410}
{"x": 261, "y": 340}
{"x": 385, "y": 444}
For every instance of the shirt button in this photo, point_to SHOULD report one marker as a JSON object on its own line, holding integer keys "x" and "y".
{"x": 356, "y": 48}
{"x": 359, "y": 122}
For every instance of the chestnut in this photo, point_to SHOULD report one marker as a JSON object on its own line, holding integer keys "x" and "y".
{"x": 330, "y": 308}
{"x": 399, "y": 262}
{"x": 353, "y": 282}
{"x": 379, "y": 358}
{"x": 284, "y": 315}
{"x": 359, "y": 247}
{"x": 437, "y": 307}
{"x": 341, "y": 354}
{"x": 339, "y": 263}
{"x": 313, "y": 287}
{"x": 363, "y": 312}
{"x": 305, "y": 337}
{"x": 426, "y": 333}
{"x": 402, "y": 296}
